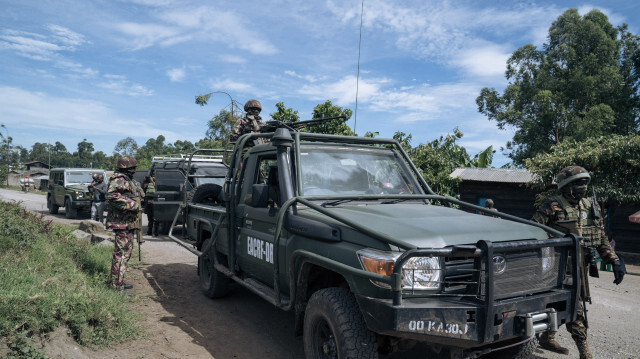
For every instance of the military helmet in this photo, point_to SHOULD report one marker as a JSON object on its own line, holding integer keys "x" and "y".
{"x": 570, "y": 174}
{"x": 127, "y": 162}
{"x": 252, "y": 104}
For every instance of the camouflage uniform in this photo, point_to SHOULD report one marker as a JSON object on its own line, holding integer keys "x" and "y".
{"x": 123, "y": 195}
{"x": 251, "y": 122}
{"x": 571, "y": 212}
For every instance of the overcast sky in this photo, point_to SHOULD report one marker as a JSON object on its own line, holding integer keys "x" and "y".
{"x": 105, "y": 70}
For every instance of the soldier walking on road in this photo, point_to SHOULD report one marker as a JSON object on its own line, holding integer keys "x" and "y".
{"x": 124, "y": 196}
{"x": 99, "y": 190}
{"x": 149, "y": 188}
{"x": 572, "y": 212}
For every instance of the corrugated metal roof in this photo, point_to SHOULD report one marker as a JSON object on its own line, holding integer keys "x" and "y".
{"x": 506, "y": 175}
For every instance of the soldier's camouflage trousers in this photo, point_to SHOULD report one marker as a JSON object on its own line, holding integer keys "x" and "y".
{"x": 121, "y": 255}
{"x": 578, "y": 328}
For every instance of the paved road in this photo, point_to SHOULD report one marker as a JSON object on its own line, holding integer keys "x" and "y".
{"x": 614, "y": 315}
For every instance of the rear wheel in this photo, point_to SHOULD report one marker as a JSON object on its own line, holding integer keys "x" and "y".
{"x": 53, "y": 208}
{"x": 213, "y": 283}
{"x": 69, "y": 211}
{"x": 164, "y": 227}
{"x": 334, "y": 327}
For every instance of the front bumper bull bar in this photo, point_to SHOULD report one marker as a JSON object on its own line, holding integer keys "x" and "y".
{"x": 468, "y": 321}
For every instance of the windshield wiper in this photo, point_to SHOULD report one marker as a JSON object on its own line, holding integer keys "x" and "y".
{"x": 336, "y": 202}
{"x": 397, "y": 200}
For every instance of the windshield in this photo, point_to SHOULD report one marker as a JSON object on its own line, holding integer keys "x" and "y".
{"x": 354, "y": 171}
{"x": 79, "y": 177}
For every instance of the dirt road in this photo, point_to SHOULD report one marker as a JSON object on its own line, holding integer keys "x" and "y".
{"x": 182, "y": 323}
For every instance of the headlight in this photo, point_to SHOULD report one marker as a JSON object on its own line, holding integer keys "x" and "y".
{"x": 548, "y": 258}
{"x": 79, "y": 194}
{"x": 419, "y": 273}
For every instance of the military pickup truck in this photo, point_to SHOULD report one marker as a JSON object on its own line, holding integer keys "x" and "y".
{"x": 345, "y": 232}
{"x": 180, "y": 174}
{"x": 69, "y": 188}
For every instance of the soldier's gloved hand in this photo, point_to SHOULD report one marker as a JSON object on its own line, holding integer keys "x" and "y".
{"x": 619, "y": 270}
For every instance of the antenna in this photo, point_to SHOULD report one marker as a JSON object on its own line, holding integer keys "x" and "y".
{"x": 355, "y": 118}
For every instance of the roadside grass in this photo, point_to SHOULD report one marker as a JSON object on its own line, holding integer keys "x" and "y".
{"x": 49, "y": 278}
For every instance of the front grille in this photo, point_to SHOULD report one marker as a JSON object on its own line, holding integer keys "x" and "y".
{"x": 514, "y": 274}
{"x": 524, "y": 273}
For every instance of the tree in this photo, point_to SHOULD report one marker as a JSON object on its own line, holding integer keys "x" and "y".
{"x": 39, "y": 152}
{"x": 126, "y": 147}
{"x": 334, "y": 127}
{"x": 85, "y": 152}
{"x": 284, "y": 114}
{"x": 583, "y": 84}
{"x": 220, "y": 127}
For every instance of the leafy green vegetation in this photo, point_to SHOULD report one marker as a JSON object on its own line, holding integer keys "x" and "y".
{"x": 49, "y": 278}
{"x": 582, "y": 84}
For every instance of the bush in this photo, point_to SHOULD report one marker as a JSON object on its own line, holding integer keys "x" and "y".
{"x": 50, "y": 278}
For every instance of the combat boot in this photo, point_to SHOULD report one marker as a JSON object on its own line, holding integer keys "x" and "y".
{"x": 583, "y": 348}
{"x": 548, "y": 342}
{"x": 155, "y": 229}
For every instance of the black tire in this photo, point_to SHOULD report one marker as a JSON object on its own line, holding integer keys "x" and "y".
{"x": 207, "y": 193}
{"x": 70, "y": 212}
{"x": 213, "y": 283}
{"x": 522, "y": 351}
{"x": 53, "y": 208}
{"x": 163, "y": 227}
{"x": 334, "y": 327}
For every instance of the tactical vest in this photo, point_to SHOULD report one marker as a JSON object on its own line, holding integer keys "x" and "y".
{"x": 151, "y": 189}
{"x": 579, "y": 219}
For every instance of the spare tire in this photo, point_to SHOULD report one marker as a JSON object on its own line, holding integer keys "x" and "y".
{"x": 207, "y": 193}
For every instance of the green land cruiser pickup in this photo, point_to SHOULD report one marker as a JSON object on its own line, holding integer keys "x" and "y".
{"x": 68, "y": 188}
{"x": 346, "y": 233}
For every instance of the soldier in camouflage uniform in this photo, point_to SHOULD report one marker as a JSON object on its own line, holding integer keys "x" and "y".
{"x": 572, "y": 212}
{"x": 251, "y": 122}
{"x": 124, "y": 196}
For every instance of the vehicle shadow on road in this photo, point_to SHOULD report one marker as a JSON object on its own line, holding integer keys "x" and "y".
{"x": 240, "y": 325}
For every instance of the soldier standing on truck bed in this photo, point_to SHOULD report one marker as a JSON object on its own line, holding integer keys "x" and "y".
{"x": 252, "y": 120}
{"x": 124, "y": 196}
{"x": 572, "y": 212}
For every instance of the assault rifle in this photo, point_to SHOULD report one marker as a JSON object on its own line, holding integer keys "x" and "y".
{"x": 271, "y": 126}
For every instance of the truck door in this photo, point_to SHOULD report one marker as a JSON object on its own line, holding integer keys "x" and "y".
{"x": 58, "y": 189}
{"x": 257, "y": 227}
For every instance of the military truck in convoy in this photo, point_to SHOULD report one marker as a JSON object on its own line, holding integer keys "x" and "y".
{"x": 179, "y": 174}
{"x": 345, "y": 232}
{"x": 69, "y": 188}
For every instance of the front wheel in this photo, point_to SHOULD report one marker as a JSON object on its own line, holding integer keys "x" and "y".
{"x": 213, "y": 283}
{"x": 69, "y": 211}
{"x": 334, "y": 327}
{"x": 53, "y": 208}
{"x": 520, "y": 351}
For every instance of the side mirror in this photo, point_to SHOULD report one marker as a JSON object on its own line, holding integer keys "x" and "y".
{"x": 60, "y": 183}
{"x": 260, "y": 195}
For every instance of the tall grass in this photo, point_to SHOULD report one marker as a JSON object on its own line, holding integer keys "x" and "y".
{"x": 49, "y": 278}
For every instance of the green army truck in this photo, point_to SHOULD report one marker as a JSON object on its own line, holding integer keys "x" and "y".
{"x": 69, "y": 188}
{"x": 345, "y": 232}
{"x": 179, "y": 173}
